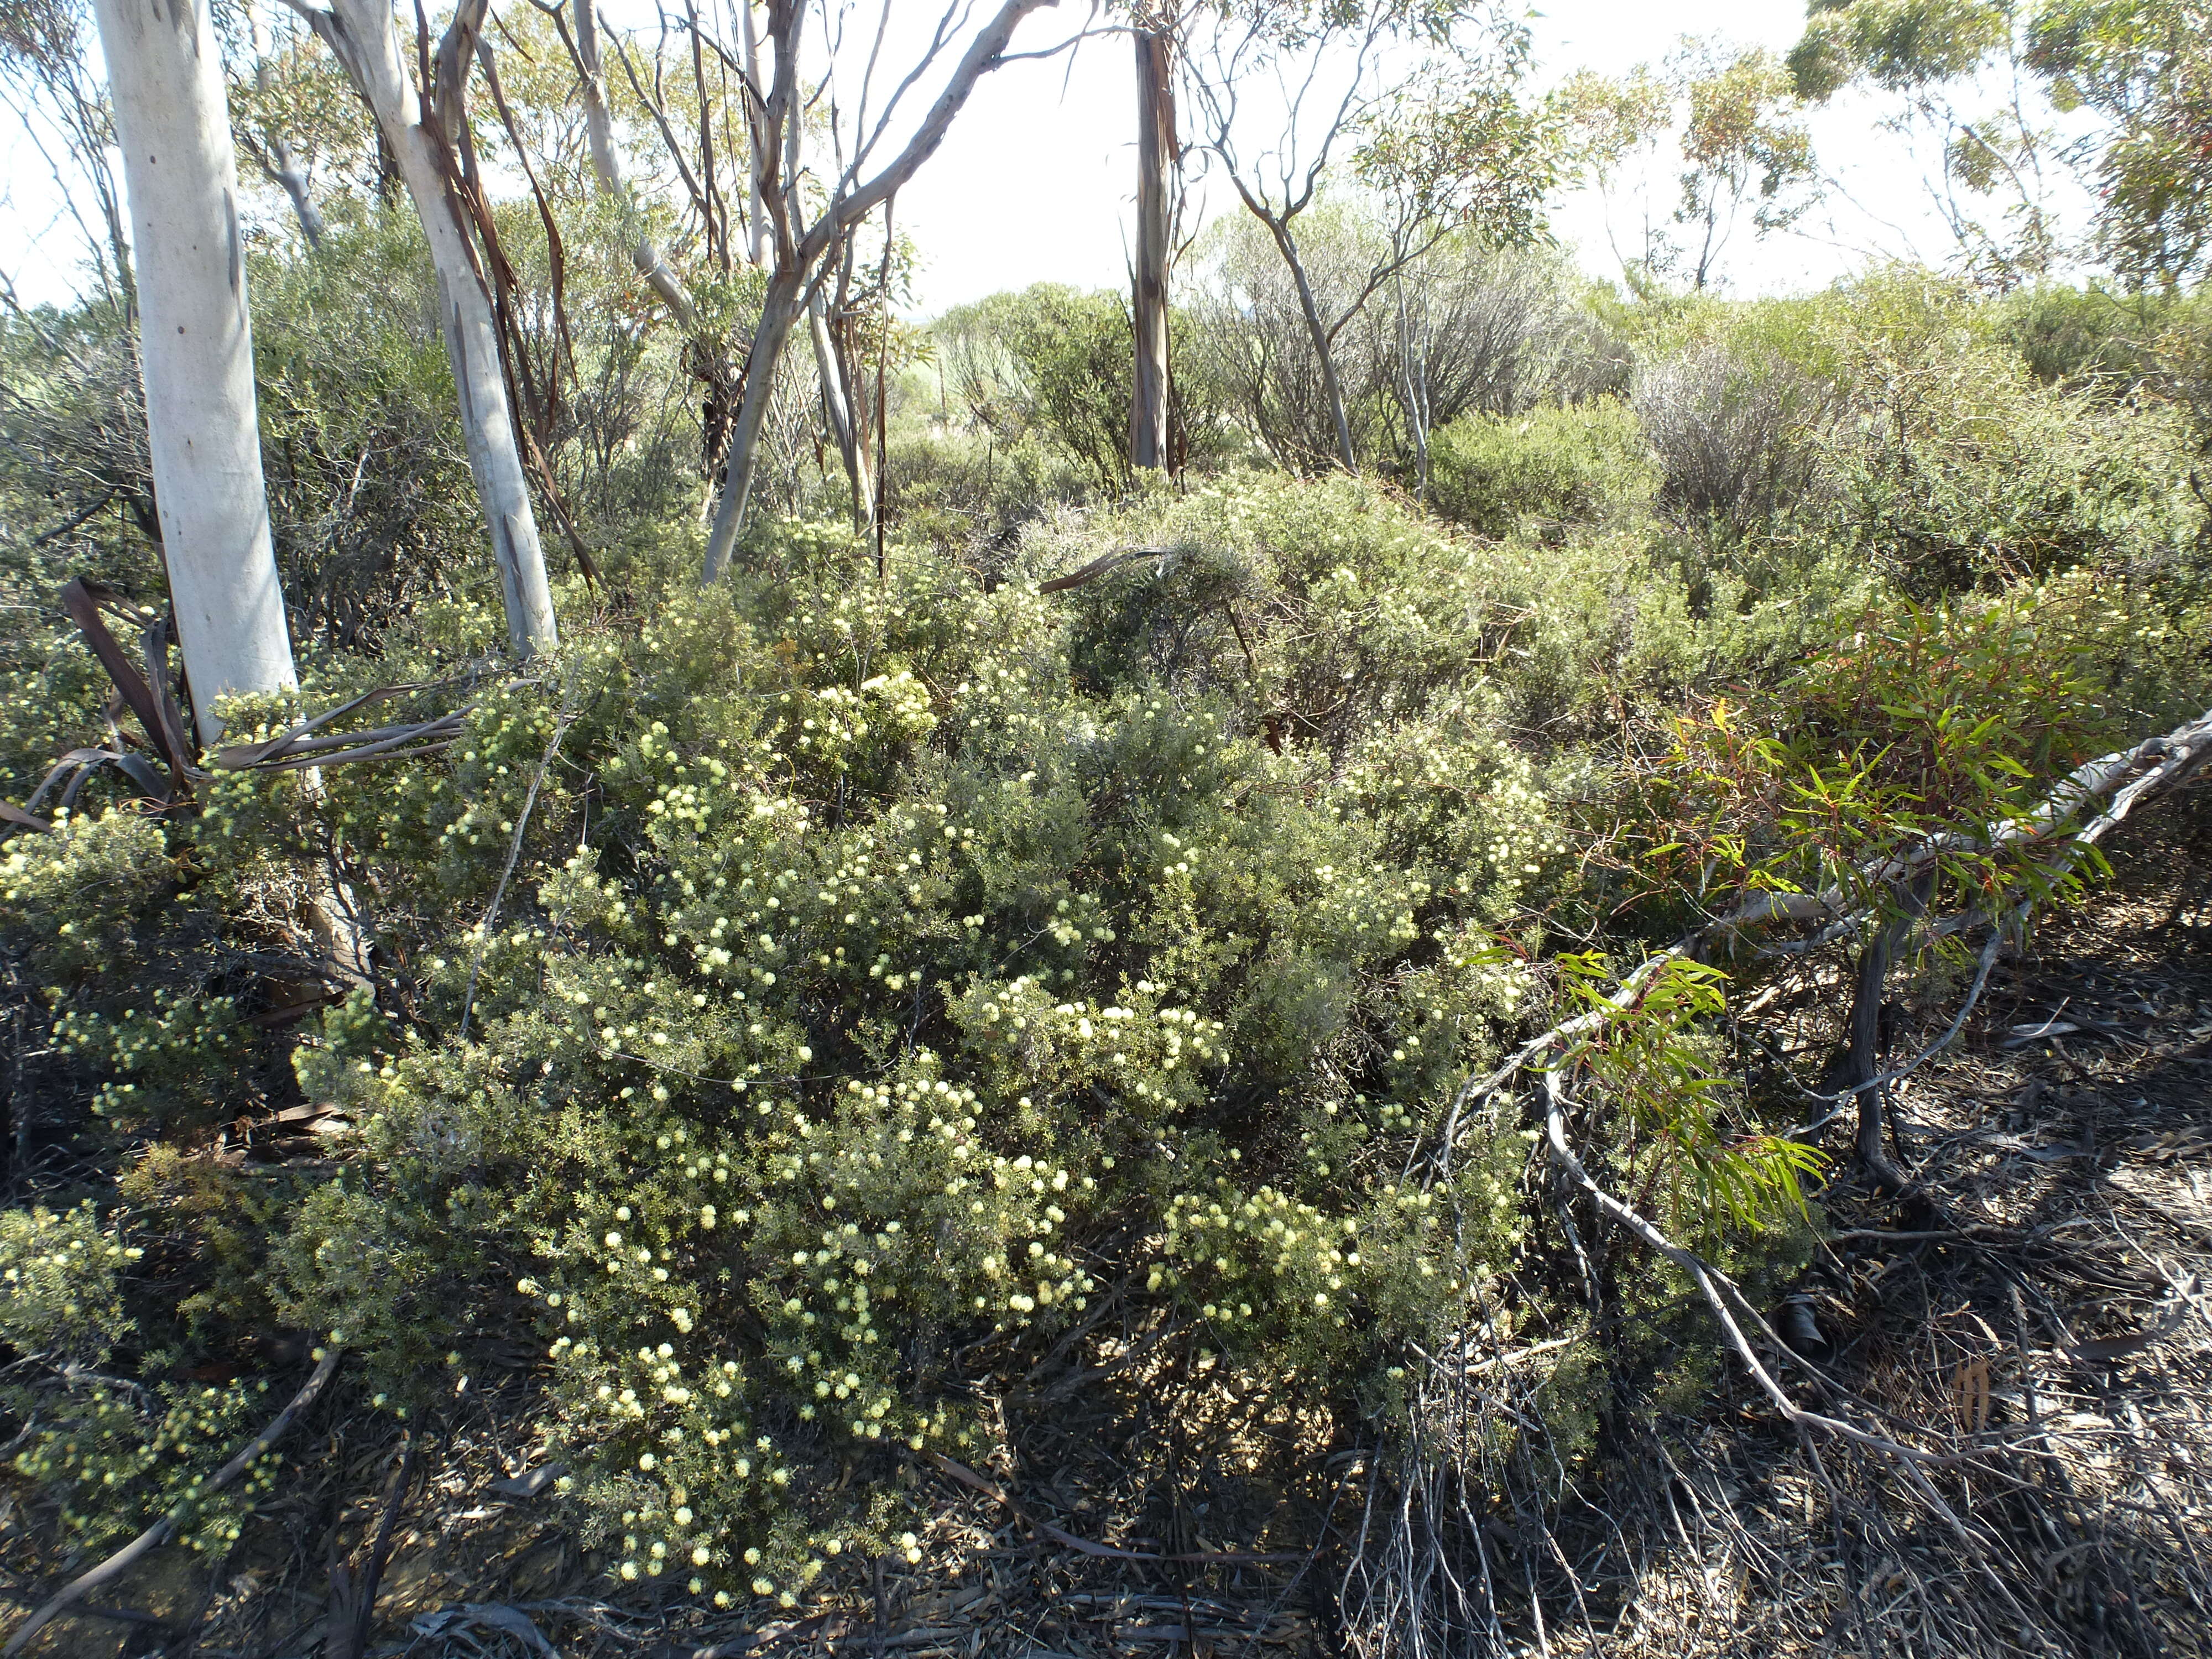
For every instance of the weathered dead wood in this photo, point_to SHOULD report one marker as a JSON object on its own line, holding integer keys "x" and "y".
{"x": 158, "y": 1533}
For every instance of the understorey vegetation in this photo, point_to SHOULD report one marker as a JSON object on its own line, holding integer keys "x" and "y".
{"x": 801, "y": 1008}
{"x": 1366, "y": 960}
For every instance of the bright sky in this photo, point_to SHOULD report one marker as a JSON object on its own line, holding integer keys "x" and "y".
{"x": 1036, "y": 181}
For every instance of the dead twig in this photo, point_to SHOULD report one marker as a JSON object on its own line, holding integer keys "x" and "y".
{"x": 561, "y": 724}
{"x": 157, "y": 1534}
{"x": 968, "y": 1477}
{"x": 1100, "y": 566}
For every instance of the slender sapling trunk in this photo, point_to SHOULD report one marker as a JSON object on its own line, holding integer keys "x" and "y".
{"x": 360, "y": 33}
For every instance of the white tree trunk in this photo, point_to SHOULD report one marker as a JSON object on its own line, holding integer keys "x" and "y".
{"x": 360, "y": 33}
{"x": 285, "y": 170}
{"x": 852, "y": 444}
{"x": 275, "y": 153}
{"x": 607, "y": 167}
{"x": 196, "y": 348}
{"x": 756, "y": 208}
{"x": 779, "y": 310}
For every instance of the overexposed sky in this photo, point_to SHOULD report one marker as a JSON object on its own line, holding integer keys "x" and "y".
{"x": 1035, "y": 180}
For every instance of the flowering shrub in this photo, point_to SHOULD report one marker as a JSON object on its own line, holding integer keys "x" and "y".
{"x": 114, "y": 1454}
{"x": 806, "y": 1003}
{"x": 60, "y": 1272}
{"x": 79, "y": 892}
{"x": 891, "y": 989}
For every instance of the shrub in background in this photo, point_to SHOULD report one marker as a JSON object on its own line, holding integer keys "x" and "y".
{"x": 1583, "y": 465}
{"x": 1955, "y": 467}
{"x": 1737, "y": 436}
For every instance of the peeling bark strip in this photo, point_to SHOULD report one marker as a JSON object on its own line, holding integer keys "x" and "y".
{"x": 830, "y": 371}
{"x": 1157, "y": 152}
{"x": 196, "y": 348}
{"x": 361, "y": 35}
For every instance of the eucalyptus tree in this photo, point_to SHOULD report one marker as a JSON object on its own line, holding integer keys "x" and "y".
{"x": 196, "y": 348}
{"x": 803, "y": 238}
{"x": 1612, "y": 123}
{"x": 1419, "y": 98}
{"x": 608, "y": 170}
{"x": 723, "y": 78}
{"x": 426, "y": 132}
{"x": 2139, "y": 71}
{"x": 295, "y": 114}
{"x": 1744, "y": 148}
{"x": 772, "y": 164}
{"x": 1741, "y": 141}
{"x": 2144, "y": 67}
{"x": 54, "y": 92}
{"x": 1155, "y": 27}
{"x": 1958, "y": 73}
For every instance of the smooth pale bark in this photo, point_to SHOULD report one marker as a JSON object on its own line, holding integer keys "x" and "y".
{"x": 1413, "y": 393}
{"x": 292, "y": 178}
{"x": 779, "y": 309}
{"x": 360, "y": 33}
{"x": 756, "y": 208}
{"x": 606, "y": 166}
{"x": 829, "y": 367}
{"x": 1317, "y": 332}
{"x": 1156, "y": 153}
{"x": 196, "y": 348}
{"x": 852, "y": 445}
{"x": 796, "y": 260}
{"x": 274, "y": 153}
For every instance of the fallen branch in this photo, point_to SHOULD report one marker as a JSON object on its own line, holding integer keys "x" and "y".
{"x": 561, "y": 724}
{"x": 2178, "y": 750}
{"x": 2170, "y": 759}
{"x": 1727, "y": 1301}
{"x": 1712, "y": 1283}
{"x": 158, "y": 1533}
{"x": 1842, "y": 1098}
{"x": 968, "y": 1477}
{"x": 1483, "y": 1087}
{"x": 1100, "y": 565}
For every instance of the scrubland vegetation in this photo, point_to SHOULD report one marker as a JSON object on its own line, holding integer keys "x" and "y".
{"x": 796, "y": 1034}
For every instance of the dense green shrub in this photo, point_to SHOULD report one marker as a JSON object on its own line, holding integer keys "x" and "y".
{"x": 909, "y": 997}
{"x": 1955, "y": 467}
{"x": 1949, "y": 442}
{"x": 1323, "y": 605}
{"x": 61, "y": 1272}
{"x": 1051, "y": 366}
{"x": 962, "y": 491}
{"x": 2091, "y": 335}
{"x": 1585, "y": 464}
{"x": 111, "y": 1455}
{"x": 1466, "y": 327}
{"x": 1737, "y": 436}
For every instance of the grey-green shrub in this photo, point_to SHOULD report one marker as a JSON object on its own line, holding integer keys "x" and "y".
{"x": 1580, "y": 465}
